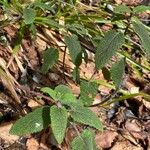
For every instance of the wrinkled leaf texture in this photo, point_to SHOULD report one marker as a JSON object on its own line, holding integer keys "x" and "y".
{"x": 59, "y": 118}
{"x": 32, "y": 122}
{"x": 111, "y": 42}
{"x": 142, "y": 32}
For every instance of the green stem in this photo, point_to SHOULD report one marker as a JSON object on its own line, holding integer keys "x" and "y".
{"x": 146, "y": 96}
{"x": 126, "y": 94}
{"x": 132, "y": 61}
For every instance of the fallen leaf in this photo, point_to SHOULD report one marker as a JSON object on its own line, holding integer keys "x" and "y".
{"x": 125, "y": 145}
{"x": 105, "y": 139}
{"x": 4, "y": 133}
{"x": 134, "y": 128}
{"x": 32, "y": 144}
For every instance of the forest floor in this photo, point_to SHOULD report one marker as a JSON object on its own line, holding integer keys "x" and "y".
{"x": 127, "y": 123}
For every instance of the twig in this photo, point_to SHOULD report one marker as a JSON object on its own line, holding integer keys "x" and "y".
{"x": 128, "y": 24}
{"x": 23, "y": 88}
{"x": 63, "y": 65}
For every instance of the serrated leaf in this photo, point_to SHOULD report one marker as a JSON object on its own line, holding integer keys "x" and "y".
{"x": 141, "y": 8}
{"x": 117, "y": 71}
{"x": 74, "y": 47}
{"x": 62, "y": 90}
{"x": 29, "y": 15}
{"x": 59, "y": 118}
{"x": 84, "y": 142}
{"x": 70, "y": 100}
{"x": 142, "y": 32}
{"x": 88, "y": 92}
{"x": 78, "y": 28}
{"x": 32, "y": 122}
{"x": 49, "y": 91}
{"x": 86, "y": 116}
{"x": 121, "y": 9}
{"x": 51, "y": 56}
{"x": 112, "y": 41}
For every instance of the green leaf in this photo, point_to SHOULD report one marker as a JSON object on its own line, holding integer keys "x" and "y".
{"x": 74, "y": 47}
{"x": 62, "y": 90}
{"x": 88, "y": 92}
{"x": 86, "y": 116}
{"x": 33, "y": 30}
{"x": 49, "y": 91}
{"x": 51, "y": 56}
{"x": 143, "y": 34}
{"x": 121, "y": 9}
{"x": 86, "y": 141}
{"x": 29, "y": 15}
{"x": 51, "y": 23}
{"x": 70, "y": 100}
{"x": 44, "y": 6}
{"x": 59, "y": 118}
{"x": 117, "y": 72}
{"x": 32, "y": 122}
{"x": 78, "y": 28}
{"x": 112, "y": 41}
{"x": 76, "y": 75}
{"x": 141, "y": 8}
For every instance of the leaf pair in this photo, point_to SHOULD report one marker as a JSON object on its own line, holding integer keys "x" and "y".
{"x": 41, "y": 118}
{"x": 57, "y": 116}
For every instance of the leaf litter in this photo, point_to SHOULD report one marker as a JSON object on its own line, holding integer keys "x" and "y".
{"x": 127, "y": 129}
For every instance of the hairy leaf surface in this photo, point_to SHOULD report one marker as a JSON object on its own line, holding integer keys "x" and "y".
{"x": 59, "y": 118}
{"x": 29, "y": 15}
{"x": 74, "y": 49}
{"x": 117, "y": 71}
{"x": 142, "y": 32}
{"x": 141, "y": 8}
{"x": 88, "y": 92}
{"x": 84, "y": 142}
{"x": 86, "y": 116}
{"x": 32, "y": 122}
{"x": 49, "y": 91}
{"x": 112, "y": 41}
{"x": 121, "y": 9}
{"x": 51, "y": 56}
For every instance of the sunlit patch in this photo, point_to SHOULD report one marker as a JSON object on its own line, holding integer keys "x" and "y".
{"x": 37, "y": 125}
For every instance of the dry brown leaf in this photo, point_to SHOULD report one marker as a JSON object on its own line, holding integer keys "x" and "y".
{"x": 146, "y": 103}
{"x": 135, "y": 129}
{"x": 130, "y": 138}
{"x": 8, "y": 83}
{"x": 34, "y": 104}
{"x": 132, "y": 126}
{"x": 105, "y": 139}
{"x": 129, "y": 2}
{"x": 43, "y": 141}
{"x": 4, "y": 133}
{"x": 125, "y": 145}
{"x": 32, "y": 144}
